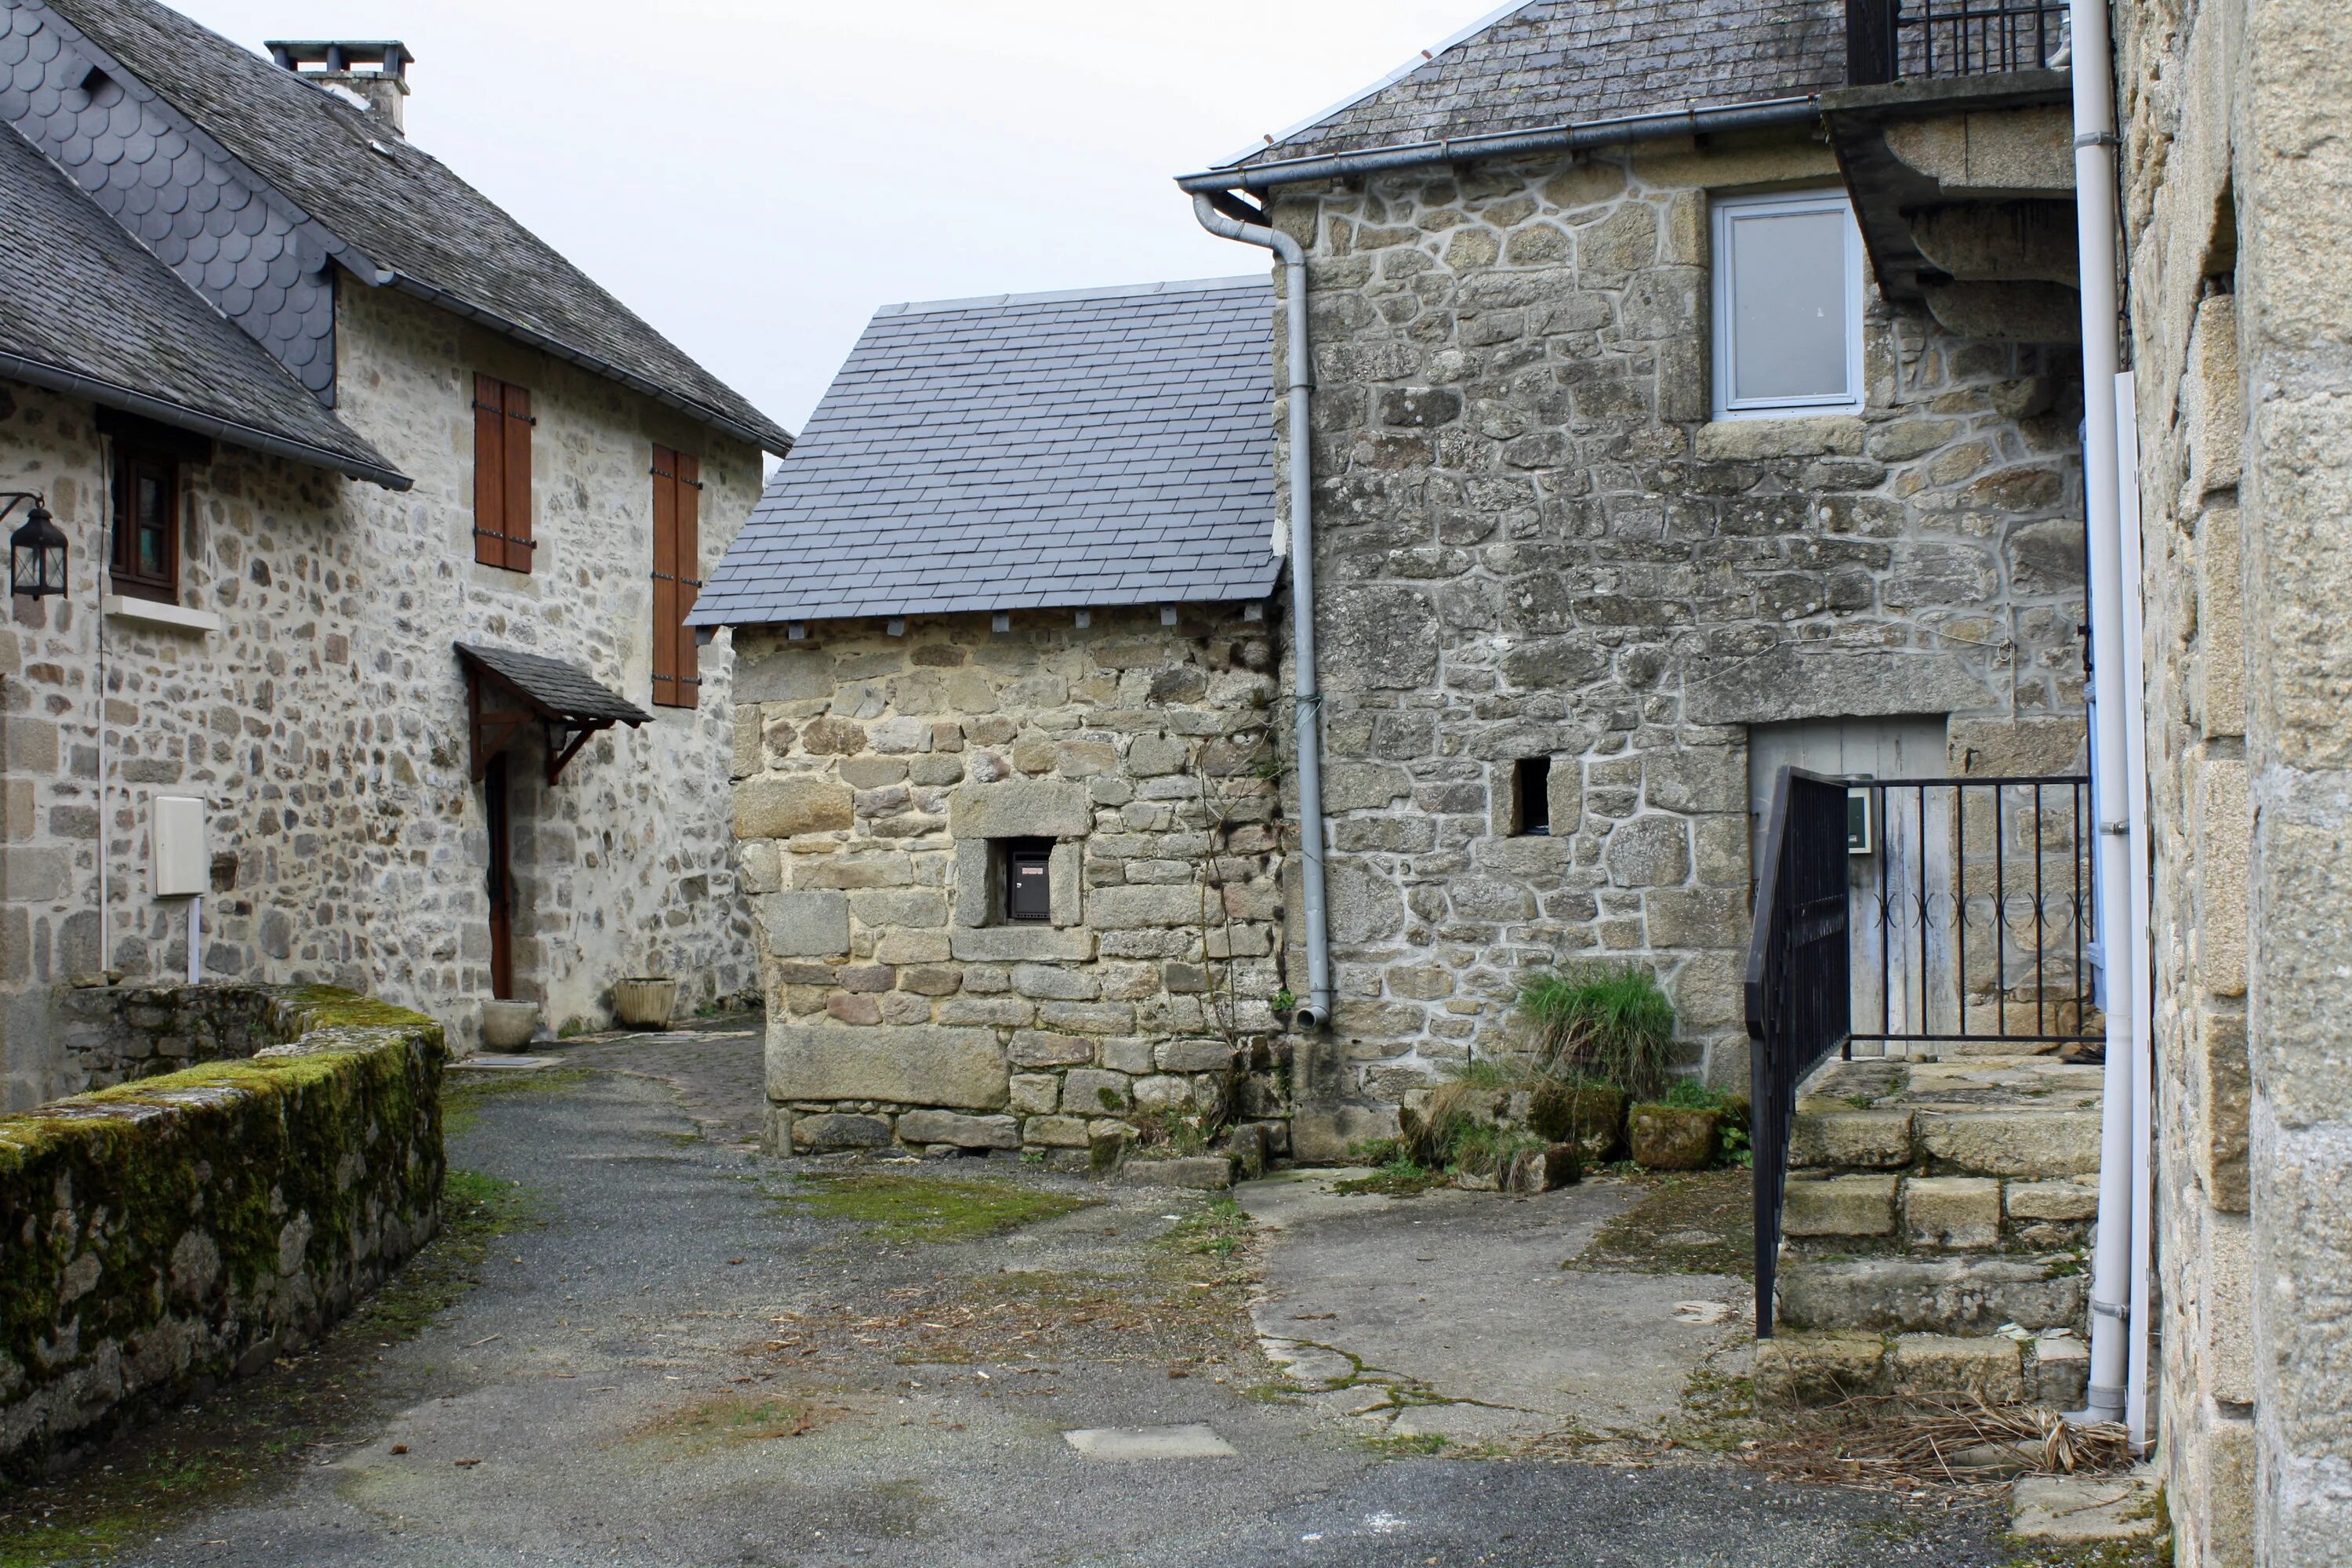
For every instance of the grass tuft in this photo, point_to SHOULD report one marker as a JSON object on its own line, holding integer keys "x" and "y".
{"x": 926, "y": 1209}
{"x": 1607, "y": 1023}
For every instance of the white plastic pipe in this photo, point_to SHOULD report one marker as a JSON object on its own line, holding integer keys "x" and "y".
{"x": 2111, "y": 706}
{"x": 1309, "y": 721}
{"x": 2142, "y": 968}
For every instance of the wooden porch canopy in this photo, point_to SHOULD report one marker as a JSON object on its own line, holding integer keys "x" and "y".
{"x": 507, "y": 689}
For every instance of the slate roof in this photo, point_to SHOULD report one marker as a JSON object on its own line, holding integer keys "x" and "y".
{"x": 86, "y": 309}
{"x": 1554, "y": 62}
{"x": 400, "y": 208}
{"x": 562, "y": 689}
{"x": 1107, "y": 448}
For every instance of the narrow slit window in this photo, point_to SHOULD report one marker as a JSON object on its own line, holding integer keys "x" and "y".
{"x": 1024, "y": 867}
{"x": 1532, "y": 785}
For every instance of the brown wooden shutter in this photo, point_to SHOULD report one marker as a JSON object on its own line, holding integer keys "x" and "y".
{"x": 678, "y": 561}
{"x": 489, "y": 471}
{"x": 518, "y": 424}
{"x": 689, "y": 576}
{"x": 665, "y": 576}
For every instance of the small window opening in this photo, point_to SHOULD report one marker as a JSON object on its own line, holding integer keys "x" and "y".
{"x": 1532, "y": 785}
{"x": 1025, "y": 881}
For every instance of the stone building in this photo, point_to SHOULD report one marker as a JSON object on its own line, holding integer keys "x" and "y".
{"x": 2235, "y": 211}
{"x": 1602, "y": 537}
{"x": 311, "y": 412}
{"x": 1005, "y": 710}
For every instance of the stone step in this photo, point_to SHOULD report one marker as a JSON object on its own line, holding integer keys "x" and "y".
{"x": 1795, "y": 1368}
{"x": 1936, "y": 1214}
{"x": 1962, "y": 1296}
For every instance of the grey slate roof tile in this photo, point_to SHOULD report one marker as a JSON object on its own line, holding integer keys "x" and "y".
{"x": 1552, "y": 62}
{"x": 82, "y": 302}
{"x": 1037, "y": 451}
{"x": 348, "y": 181}
{"x": 559, "y": 687}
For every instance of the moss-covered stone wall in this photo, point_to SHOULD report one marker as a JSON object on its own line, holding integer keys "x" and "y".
{"x": 164, "y": 1235}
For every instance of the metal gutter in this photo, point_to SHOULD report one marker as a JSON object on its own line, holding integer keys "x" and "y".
{"x": 73, "y": 383}
{"x": 1307, "y": 722}
{"x": 1772, "y": 114}
{"x": 767, "y": 441}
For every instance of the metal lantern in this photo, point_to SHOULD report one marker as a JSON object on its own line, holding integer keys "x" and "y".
{"x": 37, "y": 552}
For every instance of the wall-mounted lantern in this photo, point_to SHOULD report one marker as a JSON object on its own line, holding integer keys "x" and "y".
{"x": 36, "y": 551}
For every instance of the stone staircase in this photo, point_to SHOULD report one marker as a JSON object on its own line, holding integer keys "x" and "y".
{"x": 1935, "y": 1233}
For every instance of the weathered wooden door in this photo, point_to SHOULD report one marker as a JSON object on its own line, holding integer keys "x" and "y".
{"x": 499, "y": 807}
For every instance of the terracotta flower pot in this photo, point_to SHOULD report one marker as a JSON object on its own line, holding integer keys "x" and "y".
{"x": 508, "y": 1025}
{"x": 646, "y": 1002}
{"x": 1671, "y": 1138}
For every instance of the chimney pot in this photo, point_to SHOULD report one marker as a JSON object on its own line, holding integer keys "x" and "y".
{"x": 336, "y": 62}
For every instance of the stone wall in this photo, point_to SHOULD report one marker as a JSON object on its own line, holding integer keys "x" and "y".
{"x": 2236, "y": 213}
{"x": 878, "y": 778}
{"x": 164, "y": 1235}
{"x": 1533, "y": 542}
{"x": 325, "y": 721}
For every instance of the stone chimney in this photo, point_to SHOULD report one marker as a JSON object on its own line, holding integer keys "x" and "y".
{"x": 336, "y": 63}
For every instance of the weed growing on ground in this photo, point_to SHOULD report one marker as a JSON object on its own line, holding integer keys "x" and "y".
{"x": 1608, "y": 1023}
{"x": 1397, "y": 1174}
{"x": 463, "y": 1092}
{"x": 1420, "y": 1445}
{"x": 1216, "y": 1230}
{"x": 910, "y": 1210}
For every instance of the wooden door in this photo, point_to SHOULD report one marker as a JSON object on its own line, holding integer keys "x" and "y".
{"x": 1901, "y": 909}
{"x": 499, "y": 810}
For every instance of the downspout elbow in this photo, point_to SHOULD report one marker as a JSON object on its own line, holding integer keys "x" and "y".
{"x": 1314, "y": 909}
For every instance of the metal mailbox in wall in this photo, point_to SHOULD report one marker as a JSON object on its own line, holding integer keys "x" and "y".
{"x": 184, "y": 861}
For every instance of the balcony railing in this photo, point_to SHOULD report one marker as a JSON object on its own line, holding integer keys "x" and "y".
{"x": 1900, "y": 40}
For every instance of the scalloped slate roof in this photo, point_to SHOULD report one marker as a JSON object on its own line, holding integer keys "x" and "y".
{"x": 395, "y": 206}
{"x": 1552, "y": 62}
{"x": 81, "y": 301}
{"x": 1107, "y": 447}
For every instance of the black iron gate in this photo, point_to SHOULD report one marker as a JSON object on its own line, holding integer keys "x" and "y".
{"x": 1799, "y": 984}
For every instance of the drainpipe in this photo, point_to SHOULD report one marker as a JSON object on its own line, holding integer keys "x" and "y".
{"x": 1311, "y": 830}
{"x": 2111, "y": 704}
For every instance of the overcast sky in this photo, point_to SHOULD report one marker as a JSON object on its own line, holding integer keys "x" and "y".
{"x": 755, "y": 177}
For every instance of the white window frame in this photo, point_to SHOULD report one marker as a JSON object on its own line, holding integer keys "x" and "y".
{"x": 1728, "y": 209}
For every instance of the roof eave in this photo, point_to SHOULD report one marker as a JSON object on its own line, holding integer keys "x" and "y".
{"x": 57, "y": 378}
{"x": 1221, "y": 593}
{"x": 767, "y": 437}
{"x": 1565, "y": 137}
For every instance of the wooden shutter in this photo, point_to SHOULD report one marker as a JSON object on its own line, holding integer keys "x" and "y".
{"x": 502, "y": 426}
{"x": 678, "y": 560}
{"x": 689, "y": 575}
{"x": 489, "y": 471}
{"x": 518, "y": 424}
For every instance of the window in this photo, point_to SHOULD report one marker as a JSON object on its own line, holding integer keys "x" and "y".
{"x": 502, "y": 425}
{"x": 1531, "y": 804}
{"x": 1024, "y": 880}
{"x": 146, "y": 558}
{"x": 1787, "y": 306}
{"x": 678, "y": 561}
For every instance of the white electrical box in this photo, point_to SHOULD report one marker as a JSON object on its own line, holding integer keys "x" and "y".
{"x": 184, "y": 862}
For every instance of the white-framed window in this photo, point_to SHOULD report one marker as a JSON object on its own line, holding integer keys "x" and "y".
{"x": 1788, "y": 305}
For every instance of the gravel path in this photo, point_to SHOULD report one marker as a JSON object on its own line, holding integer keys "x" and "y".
{"x": 679, "y": 1364}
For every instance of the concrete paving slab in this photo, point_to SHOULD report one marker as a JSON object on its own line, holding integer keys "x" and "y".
{"x": 1193, "y": 1440}
{"x": 2077, "y": 1511}
{"x": 1468, "y": 1423}
{"x": 504, "y": 1063}
{"x": 1463, "y": 1294}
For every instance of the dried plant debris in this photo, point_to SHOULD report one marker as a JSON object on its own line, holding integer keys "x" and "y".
{"x": 1914, "y": 1444}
